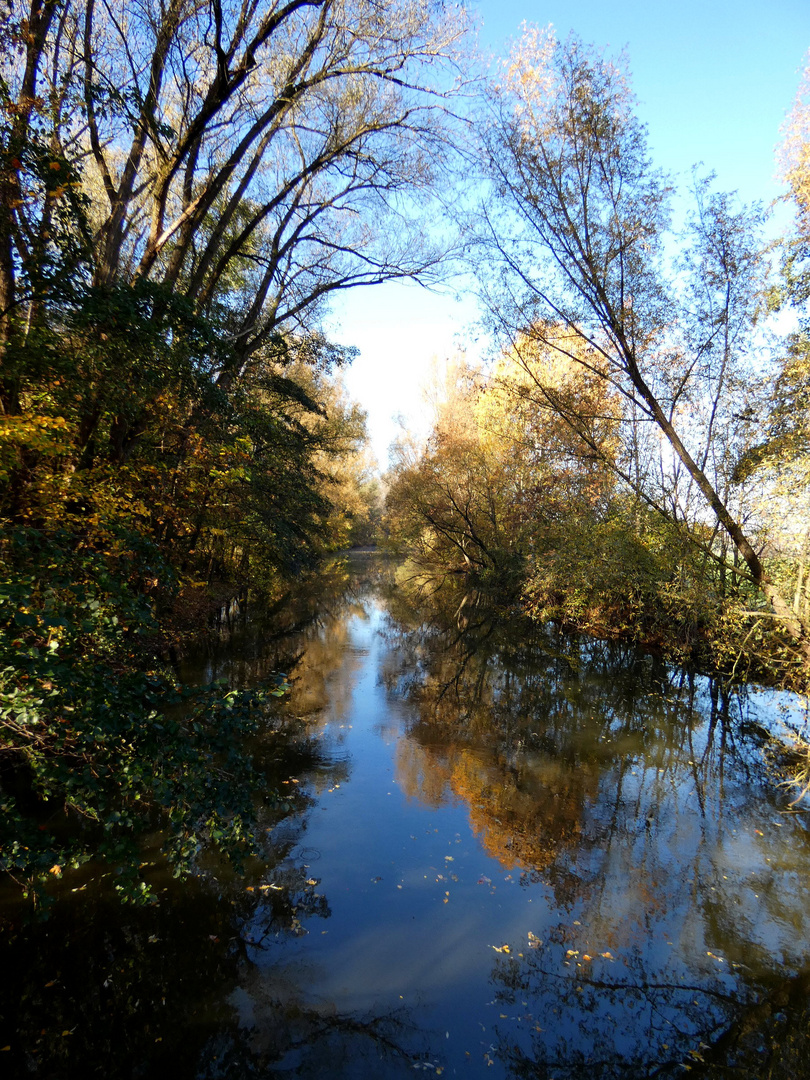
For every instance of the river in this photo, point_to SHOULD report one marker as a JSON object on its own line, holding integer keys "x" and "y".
{"x": 502, "y": 852}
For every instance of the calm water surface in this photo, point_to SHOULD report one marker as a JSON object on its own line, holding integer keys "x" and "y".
{"x": 505, "y": 853}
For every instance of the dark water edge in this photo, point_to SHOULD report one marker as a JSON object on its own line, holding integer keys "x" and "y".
{"x": 506, "y": 852}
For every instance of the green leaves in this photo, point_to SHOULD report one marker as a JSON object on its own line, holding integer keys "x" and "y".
{"x": 99, "y": 745}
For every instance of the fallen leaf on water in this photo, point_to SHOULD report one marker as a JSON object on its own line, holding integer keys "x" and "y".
{"x": 500, "y": 948}
{"x": 51, "y": 983}
{"x": 572, "y": 952}
{"x": 586, "y": 957}
{"x": 606, "y": 955}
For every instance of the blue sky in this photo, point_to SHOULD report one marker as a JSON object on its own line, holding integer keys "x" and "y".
{"x": 714, "y": 82}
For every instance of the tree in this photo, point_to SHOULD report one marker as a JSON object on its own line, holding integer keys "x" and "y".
{"x": 559, "y": 418}
{"x": 781, "y": 451}
{"x": 449, "y": 500}
{"x": 501, "y": 473}
{"x": 577, "y": 226}
{"x": 795, "y": 158}
{"x": 252, "y": 159}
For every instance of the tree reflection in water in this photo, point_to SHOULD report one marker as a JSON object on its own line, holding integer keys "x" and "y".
{"x": 601, "y": 772}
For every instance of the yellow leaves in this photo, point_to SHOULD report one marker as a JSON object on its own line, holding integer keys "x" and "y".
{"x": 501, "y": 948}
{"x": 794, "y": 153}
{"x": 56, "y": 870}
{"x": 528, "y": 73}
{"x": 31, "y": 431}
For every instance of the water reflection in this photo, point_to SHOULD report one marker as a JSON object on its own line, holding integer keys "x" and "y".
{"x": 502, "y": 852}
{"x": 639, "y": 797}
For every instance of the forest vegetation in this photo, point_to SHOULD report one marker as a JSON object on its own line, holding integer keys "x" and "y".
{"x": 634, "y": 461}
{"x": 183, "y": 187}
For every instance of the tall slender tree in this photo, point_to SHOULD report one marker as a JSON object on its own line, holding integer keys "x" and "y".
{"x": 576, "y": 232}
